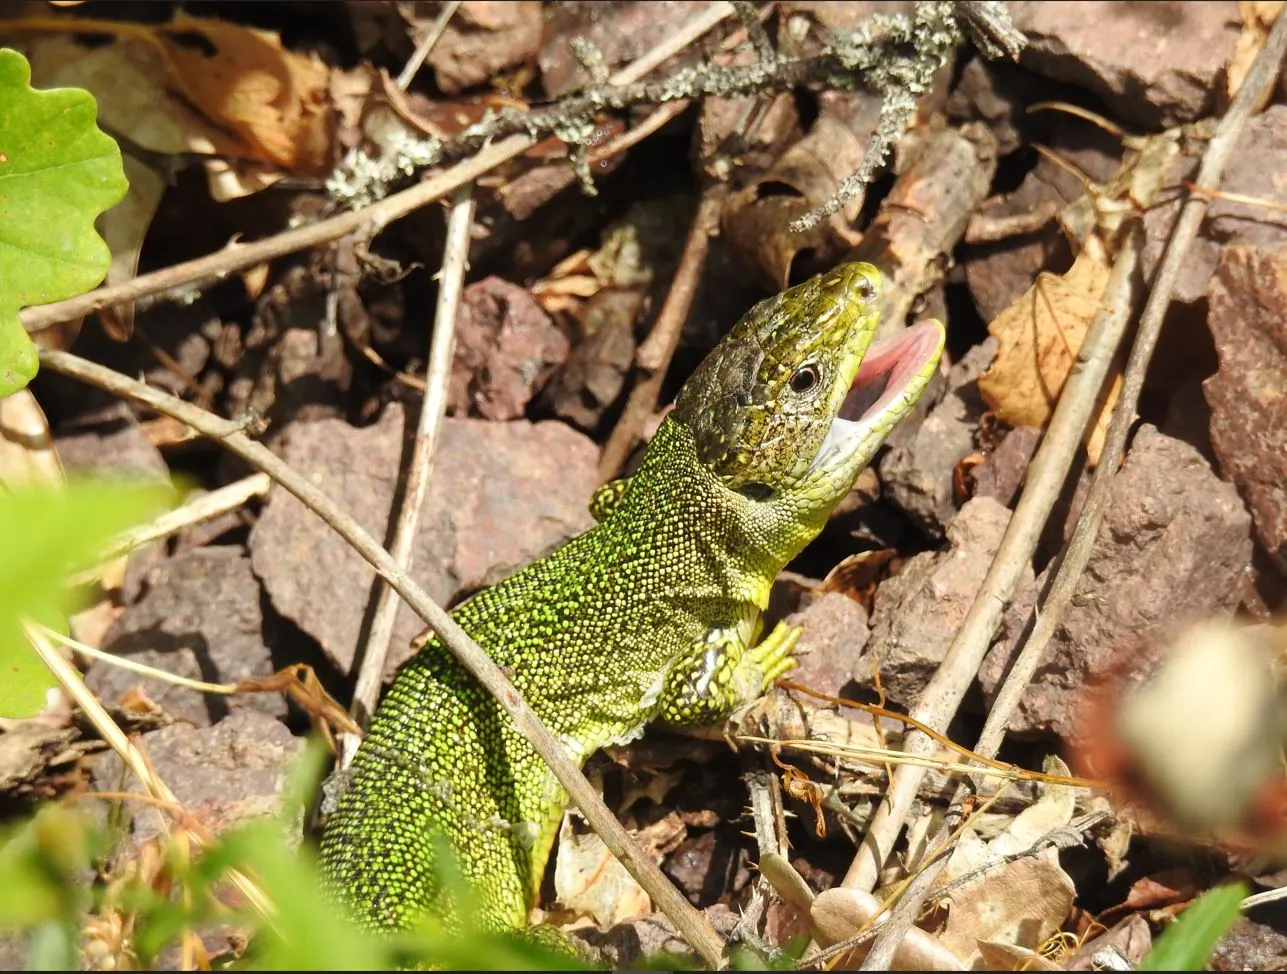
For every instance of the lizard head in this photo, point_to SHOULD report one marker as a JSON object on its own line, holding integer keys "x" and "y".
{"x": 793, "y": 403}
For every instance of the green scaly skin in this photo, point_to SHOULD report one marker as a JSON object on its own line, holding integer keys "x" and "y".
{"x": 651, "y": 614}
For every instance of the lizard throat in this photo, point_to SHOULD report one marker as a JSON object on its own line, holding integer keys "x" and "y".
{"x": 887, "y": 385}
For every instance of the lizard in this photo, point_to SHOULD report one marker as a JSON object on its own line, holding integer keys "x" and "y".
{"x": 651, "y": 614}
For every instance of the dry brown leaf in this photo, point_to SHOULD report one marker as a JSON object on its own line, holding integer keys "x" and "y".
{"x": 277, "y": 101}
{"x": 124, "y": 227}
{"x": 1257, "y": 17}
{"x": 1040, "y": 336}
{"x": 1021, "y": 902}
{"x": 590, "y": 881}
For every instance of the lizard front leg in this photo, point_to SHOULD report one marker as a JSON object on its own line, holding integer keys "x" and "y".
{"x": 720, "y": 672}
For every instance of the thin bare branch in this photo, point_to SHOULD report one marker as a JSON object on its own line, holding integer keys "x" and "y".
{"x": 442, "y": 347}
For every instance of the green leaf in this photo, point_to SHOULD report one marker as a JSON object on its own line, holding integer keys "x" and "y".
{"x": 44, "y": 536}
{"x": 1187, "y": 943}
{"x": 57, "y": 173}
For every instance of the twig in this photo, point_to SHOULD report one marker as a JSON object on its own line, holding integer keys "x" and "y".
{"x": 203, "y": 508}
{"x": 654, "y": 355}
{"x": 426, "y": 43}
{"x": 1045, "y": 479}
{"x": 433, "y": 408}
{"x": 370, "y": 219}
{"x": 1260, "y": 78}
{"x": 991, "y": 29}
{"x": 755, "y": 31}
{"x": 690, "y": 923}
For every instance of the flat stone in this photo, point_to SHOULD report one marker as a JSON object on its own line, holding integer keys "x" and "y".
{"x": 501, "y": 495}
{"x": 199, "y": 617}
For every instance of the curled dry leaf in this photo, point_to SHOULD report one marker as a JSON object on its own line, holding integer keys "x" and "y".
{"x": 1020, "y": 902}
{"x": 1040, "y": 336}
{"x": 27, "y": 455}
{"x": 589, "y": 880}
{"x": 242, "y": 79}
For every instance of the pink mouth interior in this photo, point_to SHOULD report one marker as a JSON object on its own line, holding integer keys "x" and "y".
{"x": 888, "y": 368}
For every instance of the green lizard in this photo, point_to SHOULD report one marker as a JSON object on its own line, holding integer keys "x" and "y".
{"x": 651, "y": 614}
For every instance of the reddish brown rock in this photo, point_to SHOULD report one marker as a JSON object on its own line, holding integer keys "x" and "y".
{"x": 199, "y": 617}
{"x": 620, "y": 32}
{"x": 919, "y": 610}
{"x": 1154, "y": 64}
{"x": 1171, "y": 550}
{"x": 483, "y": 39}
{"x": 831, "y": 646}
{"x": 1248, "y": 395}
{"x": 506, "y": 347}
{"x": 501, "y": 495}
{"x": 221, "y": 775}
{"x": 1001, "y": 473}
{"x": 1255, "y": 169}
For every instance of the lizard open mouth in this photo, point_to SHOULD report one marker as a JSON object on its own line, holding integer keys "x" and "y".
{"x": 890, "y": 378}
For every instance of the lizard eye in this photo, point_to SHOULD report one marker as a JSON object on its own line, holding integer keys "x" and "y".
{"x": 804, "y": 378}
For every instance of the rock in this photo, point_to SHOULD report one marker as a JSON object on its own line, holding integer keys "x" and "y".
{"x": 919, "y": 610}
{"x": 917, "y": 473}
{"x": 1154, "y": 64}
{"x": 595, "y": 373}
{"x": 829, "y": 650}
{"x": 627, "y": 944}
{"x": 708, "y": 867}
{"x": 221, "y": 775}
{"x": 501, "y": 495}
{"x": 621, "y": 32}
{"x": 113, "y": 446}
{"x": 1171, "y": 550}
{"x": 1248, "y": 395}
{"x": 483, "y": 39}
{"x": 506, "y": 347}
{"x": 1001, "y": 473}
{"x": 199, "y": 617}
{"x": 1255, "y": 169}
{"x": 1251, "y": 946}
